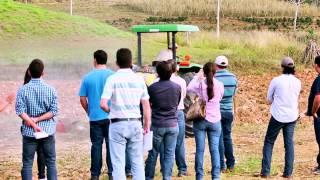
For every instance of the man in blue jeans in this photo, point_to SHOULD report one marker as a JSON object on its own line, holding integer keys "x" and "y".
{"x": 90, "y": 92}
{"x": 165, "y": 96}
{"x": 230, "y": 83}
{"x": 313, "y": 108}
{"x": 283, "y": 95}
{"x": 36, "y": 104}
{"x": 126, "y": 91}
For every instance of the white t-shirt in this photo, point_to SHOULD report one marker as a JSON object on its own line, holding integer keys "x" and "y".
{"x": 283, "y": 93}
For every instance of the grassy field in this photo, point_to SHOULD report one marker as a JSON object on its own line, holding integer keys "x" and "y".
{"x": 19, "y": 20}
{"x": 30, "y": 31}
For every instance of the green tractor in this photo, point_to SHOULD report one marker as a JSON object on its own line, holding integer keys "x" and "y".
{"x": 187, "y": 69}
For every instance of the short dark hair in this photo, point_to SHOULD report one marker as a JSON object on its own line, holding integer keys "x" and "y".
{"x": 100, "y": 56}
{"x": 124, "y": 58}
{"x": 288, "y": 70}
{"x": 36, "y": 68}
{"x": 317, "y": 60}
{"x": 173, "y": 65}
{"x": 164, "y": 70}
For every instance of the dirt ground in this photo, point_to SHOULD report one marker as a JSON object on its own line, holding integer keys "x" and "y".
{"x": 252, "y": 114}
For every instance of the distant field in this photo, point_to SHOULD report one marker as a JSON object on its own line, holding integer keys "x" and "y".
{"x": 229, "y": 8}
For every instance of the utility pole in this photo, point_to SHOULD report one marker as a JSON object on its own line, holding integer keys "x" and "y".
{"x": 71, "y": 7}
{"x": 298, "y": 3}
{"x": 218, "y": 18}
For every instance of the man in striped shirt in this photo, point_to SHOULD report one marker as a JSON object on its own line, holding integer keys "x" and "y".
{"x": 230, "y": 83}
{"x": 36, "y": 104}
{"x": 126, "y": 91}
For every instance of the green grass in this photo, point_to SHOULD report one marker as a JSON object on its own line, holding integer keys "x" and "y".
{"x": 21, "y": 20}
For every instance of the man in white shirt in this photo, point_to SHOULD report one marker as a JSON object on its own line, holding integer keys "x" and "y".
{"x": 180, "y": 154}
{"x": 283, "y": 95}
{"x": 126, "y": 91}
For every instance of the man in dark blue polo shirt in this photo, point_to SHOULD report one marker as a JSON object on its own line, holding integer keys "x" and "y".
{"x": 313, "y": 107}
{"x": 165, "y": 96}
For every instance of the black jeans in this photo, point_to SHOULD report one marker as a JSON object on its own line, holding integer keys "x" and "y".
{"x": 99, "y": 131}
{"x": 317, "y": 132}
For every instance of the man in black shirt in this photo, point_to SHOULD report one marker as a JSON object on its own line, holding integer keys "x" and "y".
{"x": 313, "y": 107}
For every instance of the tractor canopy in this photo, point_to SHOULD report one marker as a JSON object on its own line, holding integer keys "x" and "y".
{"x": 171, "y": 30}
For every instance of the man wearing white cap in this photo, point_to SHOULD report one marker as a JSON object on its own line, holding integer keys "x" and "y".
{"x": 230, "y": 83}
{"x": 283, "y": 95}
{"x": 165, "y": 55}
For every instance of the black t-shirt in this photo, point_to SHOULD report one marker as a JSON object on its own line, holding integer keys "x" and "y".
{"x": 315, "y": 89}
{"x": 164, "y": 98}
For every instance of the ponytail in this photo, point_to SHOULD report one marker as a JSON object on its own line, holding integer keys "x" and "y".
{"x": 209, "y": 72}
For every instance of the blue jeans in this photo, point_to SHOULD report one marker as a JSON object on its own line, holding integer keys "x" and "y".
{"x": 29, "y": 148}
{"x": 41, "y": 162}
{"x": 180, "y": 154}
{"x": 122, "y": 135}
{"x": 225, "y": 145}
{"x": 316, "y": 125}
{"x": 274, "y": 128}
{"x": 99, "y": 131}
{"x": 128, "y": 165}
{"x": 213, "y": 130}
{"x": 166, "y": 137}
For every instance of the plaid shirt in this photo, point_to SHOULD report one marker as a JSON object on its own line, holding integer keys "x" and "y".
{"x": 35, "y": 99}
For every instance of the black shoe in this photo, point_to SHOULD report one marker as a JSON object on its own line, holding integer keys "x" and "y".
{"x": 183, "y": 173}
{"x": 264, "y": 176}
{"x": 230, "y": 169}
{"x": 316, "y": 171}
{"x": 94, "y": 178}
{"x": 287, "y": 176}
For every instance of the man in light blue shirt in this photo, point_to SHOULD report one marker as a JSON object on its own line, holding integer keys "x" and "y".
{"x": 90, "y": 93}
{"x": 230, "y": 84}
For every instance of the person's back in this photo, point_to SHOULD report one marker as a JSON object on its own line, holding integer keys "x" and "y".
{"x": 125, "y": 81}
{"x": 94, "y": 82}
{"x": 36, "y": 99}
{"x": 229, "y": 81}
{"x": 90, "y": 94}
{"x": 126, "y": 91}
{"x": 164, "y": 97}
{"x": 285, "y": 90}
{"x": 36, "y": 105}
{"x": 283, "y": 95}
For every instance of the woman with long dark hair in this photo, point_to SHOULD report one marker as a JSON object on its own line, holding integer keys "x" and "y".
{"x": 211, "y": 91}
{"x": 40, "y": 155}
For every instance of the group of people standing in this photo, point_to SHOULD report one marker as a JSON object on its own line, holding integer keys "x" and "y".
{"x": 122, "y": 108}
{"x": 127, "y": 104}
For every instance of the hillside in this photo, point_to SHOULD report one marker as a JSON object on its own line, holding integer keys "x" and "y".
{"x": 21, "y": 20}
